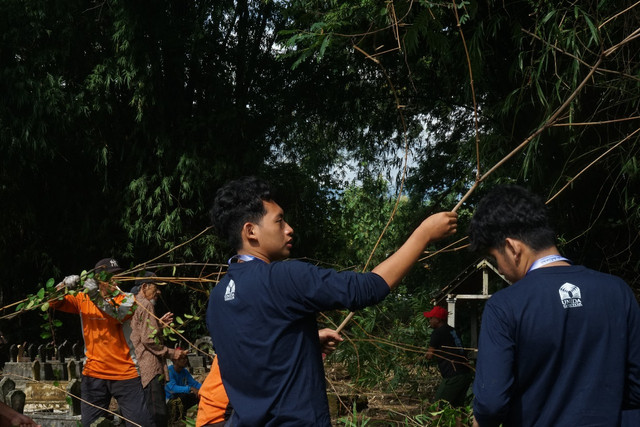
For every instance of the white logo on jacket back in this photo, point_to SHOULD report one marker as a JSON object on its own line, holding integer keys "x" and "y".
{"x": 230, "y": 292}
{"x": 570, "y": 296}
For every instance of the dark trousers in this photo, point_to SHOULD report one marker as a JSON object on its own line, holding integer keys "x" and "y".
{"x": 454, "y": 389}
{"x": 128, "y": 394}
{"x": 154, "y": 396}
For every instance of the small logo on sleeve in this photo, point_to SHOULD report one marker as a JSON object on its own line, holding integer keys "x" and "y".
{"x": 570, "y": 296}
{"x": 230, "y": 292}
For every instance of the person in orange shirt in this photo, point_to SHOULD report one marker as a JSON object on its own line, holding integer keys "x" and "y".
{"x": 214, "y": 407}
{"x": 109, "y": 369}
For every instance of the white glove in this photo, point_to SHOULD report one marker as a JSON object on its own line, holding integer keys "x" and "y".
{"x": 71, "y": 282}
{"x": 91, "y": 288}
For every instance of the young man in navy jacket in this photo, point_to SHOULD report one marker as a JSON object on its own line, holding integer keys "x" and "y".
{"x": 559, "y": 347}
{"x": 262, "y": 314}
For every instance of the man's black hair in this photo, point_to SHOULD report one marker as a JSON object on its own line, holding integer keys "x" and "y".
{"x": 510, "y": 211}
{"x": 236, "y": 203}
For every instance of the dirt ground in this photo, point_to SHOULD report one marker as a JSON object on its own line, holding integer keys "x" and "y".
{"x": 376, "y": 407}
{"x": 379, "y": 408}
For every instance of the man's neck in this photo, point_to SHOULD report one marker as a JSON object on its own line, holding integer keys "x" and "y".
{"x": 534, "y": 256}
{"x": 244, "y": 256}
{"x": 250, "y": 254}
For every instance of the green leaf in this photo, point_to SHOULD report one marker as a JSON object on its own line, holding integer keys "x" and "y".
{"x": 548, "y": 16}
{"x": 323, "y": 47}
{"x": 45, "y": 306}
{"x": 592, "y": 28}
{"x": 318, "y": 26}
{"x": 305, "y": 54}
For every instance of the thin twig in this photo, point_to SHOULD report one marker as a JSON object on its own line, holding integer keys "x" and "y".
{"x": 547, "y": 124}
{"x": 593, "y": 163}
{"x": 574, "y": 57}
{"x": 606, "y": 21}
{"x": 473, "y": 95}
{"x": 601, "y": 122}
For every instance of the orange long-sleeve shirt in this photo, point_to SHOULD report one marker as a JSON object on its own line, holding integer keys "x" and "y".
{"x": 106, "y": 349}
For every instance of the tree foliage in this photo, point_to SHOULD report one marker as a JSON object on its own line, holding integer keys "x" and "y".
{"x": 498, "y": 72}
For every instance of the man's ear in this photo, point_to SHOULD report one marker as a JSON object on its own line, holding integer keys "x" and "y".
{"x": 513, "y": 248}
{"x": 249, "y": 232}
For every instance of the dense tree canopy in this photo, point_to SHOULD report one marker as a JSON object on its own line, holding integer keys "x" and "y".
{"x": 560, "y": 78}
{"x": 119, "y": 119}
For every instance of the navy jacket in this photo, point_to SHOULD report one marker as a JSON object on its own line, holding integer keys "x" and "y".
{"x": 262, "y": 320}
{"x": 561, "y": 347}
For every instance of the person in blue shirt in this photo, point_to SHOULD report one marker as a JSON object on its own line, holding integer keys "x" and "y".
{"x": 561, "y": 345}
{"x": 181, "y": 384}
{"x": 262, "y": 314}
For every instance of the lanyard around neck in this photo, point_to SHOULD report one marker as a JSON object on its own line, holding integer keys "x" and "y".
{"x": 547, "y": 260}
{"x": 243, "y": 258}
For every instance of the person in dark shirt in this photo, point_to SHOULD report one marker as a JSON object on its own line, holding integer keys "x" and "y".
{"x": 445, "y": 345}
{"x": 262, "y": 314}
{"x": 561, "y": 345}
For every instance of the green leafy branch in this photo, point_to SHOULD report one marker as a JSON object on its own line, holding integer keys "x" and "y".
{"x": 171, "y": 332}
{"x": 42, "y": 300}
